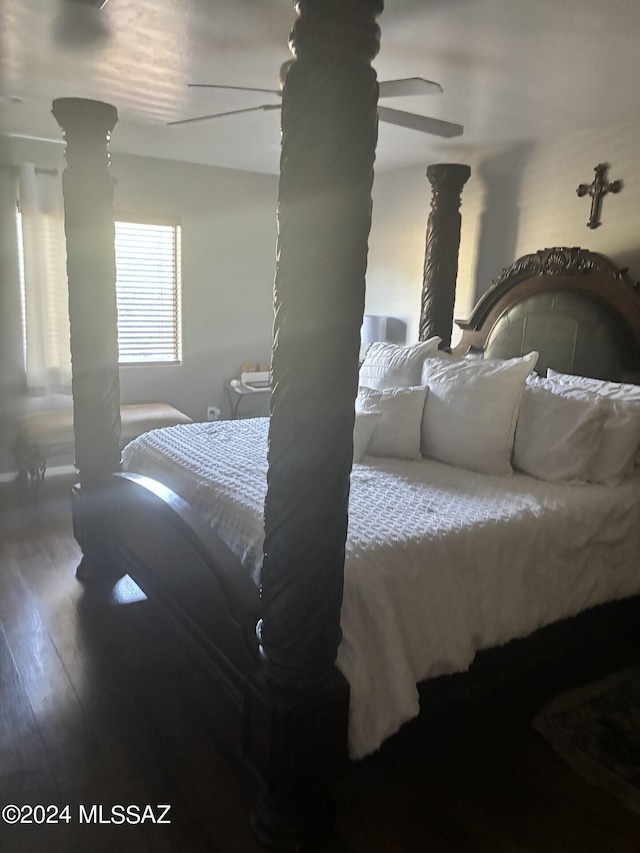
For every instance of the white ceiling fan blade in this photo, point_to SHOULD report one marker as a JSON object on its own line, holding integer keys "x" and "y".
{"x": 235, "y": 88}
{"x": 220, "y": 115}
{"x": 409, "y": 86}
{"x": 422, "y": 123}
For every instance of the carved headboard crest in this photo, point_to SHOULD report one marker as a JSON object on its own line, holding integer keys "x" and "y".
{"x": 557, "y": 261}
{"x": 563, "y": 261}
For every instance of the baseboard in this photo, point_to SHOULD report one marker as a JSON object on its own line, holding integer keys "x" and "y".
{"x": 57, "y": 471}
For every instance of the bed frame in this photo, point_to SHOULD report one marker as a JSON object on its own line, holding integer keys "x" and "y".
{"x": 294, "y": 741}
{"x": 282, "y": 705}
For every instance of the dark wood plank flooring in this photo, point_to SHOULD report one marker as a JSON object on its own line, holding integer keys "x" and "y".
{"x": 101, "y": 705}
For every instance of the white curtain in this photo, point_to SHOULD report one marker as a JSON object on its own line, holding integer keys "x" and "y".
{"x": 11, "y": 366}
{"x": 11, "y": 360}
{"x": 48, "y": 357}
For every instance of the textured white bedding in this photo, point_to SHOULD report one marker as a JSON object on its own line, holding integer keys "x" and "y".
{"x": 441, "y": 562}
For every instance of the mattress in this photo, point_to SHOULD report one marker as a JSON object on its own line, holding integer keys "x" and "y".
{"x": 440, "y": 562}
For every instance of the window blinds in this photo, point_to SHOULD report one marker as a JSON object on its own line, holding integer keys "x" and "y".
{"x": 148, "y": 292}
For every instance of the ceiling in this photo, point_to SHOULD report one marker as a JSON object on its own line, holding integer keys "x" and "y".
{"x": 511, "y": 70}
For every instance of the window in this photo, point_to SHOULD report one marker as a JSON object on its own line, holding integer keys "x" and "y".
{"x": 148, "y": 292}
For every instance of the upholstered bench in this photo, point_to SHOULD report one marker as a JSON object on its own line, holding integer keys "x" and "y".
{"x": 49, "y": 432}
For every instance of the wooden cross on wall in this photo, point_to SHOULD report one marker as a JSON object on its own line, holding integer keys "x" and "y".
{"x": 597, "y": 189}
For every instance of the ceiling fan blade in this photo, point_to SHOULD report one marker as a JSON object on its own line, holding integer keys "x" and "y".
{"x": 409, "y": 86}
{"x": 424, "y": 124}
{"x": 220, "y": 115}
{"x": 236, "y": 88}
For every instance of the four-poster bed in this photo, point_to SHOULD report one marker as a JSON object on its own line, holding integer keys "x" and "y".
{"x": 283, "y": 705}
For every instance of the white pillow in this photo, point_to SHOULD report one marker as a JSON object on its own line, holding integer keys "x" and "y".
{"x": 392, "y": 366}
{"x": 363, "y": 430}
{"x": 611, "y": 390}
{"x": 471, "y": 410}
{"x": 621, "y": 431}
{"x": 557, "y": 438}
{"x": 397, "y": 434}
{"x": 534, "y": 379}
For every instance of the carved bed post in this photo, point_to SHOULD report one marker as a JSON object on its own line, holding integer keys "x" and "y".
{"x": 329, "y": 126}
{"x": 441, "y": 253}
{"x": 91, "y": 271}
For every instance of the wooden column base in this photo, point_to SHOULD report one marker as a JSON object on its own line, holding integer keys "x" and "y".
{"x": 303, "y": 829}
{"x": 86, "y": 570}
{"x": 91, "y": 526}
{"x": 297, "y": 742}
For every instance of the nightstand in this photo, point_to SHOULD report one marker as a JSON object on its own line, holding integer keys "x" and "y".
{"x": 235, "y": 392}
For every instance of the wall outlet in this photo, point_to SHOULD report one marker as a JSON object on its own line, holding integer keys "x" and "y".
{"x": 213, "y": 413}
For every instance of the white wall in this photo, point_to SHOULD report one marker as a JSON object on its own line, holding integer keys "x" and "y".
{"x": 517, "y": 200}
{"x": 550, "y": 207}
{"x": 228, "y": 262}
{"x": 401, "y": 205}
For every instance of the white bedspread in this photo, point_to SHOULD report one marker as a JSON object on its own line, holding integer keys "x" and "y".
{"x": 441, "y": 562}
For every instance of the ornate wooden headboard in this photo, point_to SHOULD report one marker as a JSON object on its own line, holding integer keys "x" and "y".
{"x": 577, "y": 308}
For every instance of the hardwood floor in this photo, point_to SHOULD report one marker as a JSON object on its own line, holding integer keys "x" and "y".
{"x": 101, "y": 705}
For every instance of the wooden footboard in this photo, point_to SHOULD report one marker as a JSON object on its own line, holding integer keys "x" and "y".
{"x": 293, "y": 742}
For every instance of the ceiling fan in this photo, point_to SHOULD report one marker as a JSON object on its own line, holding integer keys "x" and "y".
{"x": 80, "y": 24}
{"x": 388, "y": 89}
